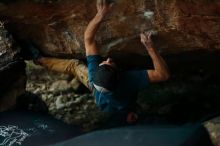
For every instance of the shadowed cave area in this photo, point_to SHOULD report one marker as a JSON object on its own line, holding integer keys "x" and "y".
{"x": 190, "y": 95}
{"x": 187, "y": 36}
{"x": 192, "y": 92}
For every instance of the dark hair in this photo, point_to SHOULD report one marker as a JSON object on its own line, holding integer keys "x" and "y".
{"x": 106, "y": 77}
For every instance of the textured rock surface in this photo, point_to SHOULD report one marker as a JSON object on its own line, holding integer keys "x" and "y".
{"x": 213, "y": 127}
{"x": 64, "y": 103}
{"x": 58, "y": 27}
{"x": 12, "y": 71}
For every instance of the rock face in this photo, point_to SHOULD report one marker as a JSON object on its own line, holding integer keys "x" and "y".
{"x": 190, "y": 24}
{"x": 58, "y": 28}
{"x": 12, "y": 71}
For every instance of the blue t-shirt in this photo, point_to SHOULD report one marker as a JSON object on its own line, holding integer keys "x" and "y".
{"x": 125, "y": 94}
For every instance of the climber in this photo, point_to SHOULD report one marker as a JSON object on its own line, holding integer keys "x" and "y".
{"x": 115, "y": 90}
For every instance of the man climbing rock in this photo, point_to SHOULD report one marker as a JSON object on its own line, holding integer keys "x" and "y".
{"x": 115, "y": 90}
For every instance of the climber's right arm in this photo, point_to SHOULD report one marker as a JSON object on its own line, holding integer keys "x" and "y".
{"x": 103, "y": 8}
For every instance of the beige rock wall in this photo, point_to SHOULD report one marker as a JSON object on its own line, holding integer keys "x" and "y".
{"x": 58, "y": 27}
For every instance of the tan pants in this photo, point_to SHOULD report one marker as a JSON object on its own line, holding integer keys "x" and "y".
{"x": 68, "y": 66}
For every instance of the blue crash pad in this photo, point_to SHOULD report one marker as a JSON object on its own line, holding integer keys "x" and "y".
{"x": 23, "y": 128}
{"x": 193, "y": 135}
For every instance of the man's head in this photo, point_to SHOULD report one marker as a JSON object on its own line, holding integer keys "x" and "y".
{"x": 106, "y": 76}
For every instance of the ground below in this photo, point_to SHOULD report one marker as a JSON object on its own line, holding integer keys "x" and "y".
{"x": 190, "y": 96}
